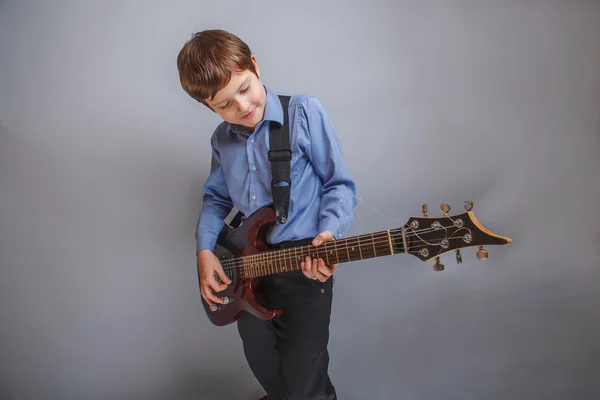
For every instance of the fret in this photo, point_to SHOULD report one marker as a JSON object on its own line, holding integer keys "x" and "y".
{"x": 353, "y": 245}
{"x": 272, "y": 263}
{"x": 283, "y": 264}
{"x": 268, "y": 265}
{"x": 258, "y": 265}
{"x": 365, "y": 248}
{"x": 359, "y": 249}
{"x": 296, "y": 257}
{"x": 373, "y": 241}
{"x": 326, "y": 256}
{"x": 347, "y": 251}
{"x": 336, "y": 252}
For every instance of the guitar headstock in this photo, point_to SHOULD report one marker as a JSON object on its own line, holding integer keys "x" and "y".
{"x": 427, "y": 238}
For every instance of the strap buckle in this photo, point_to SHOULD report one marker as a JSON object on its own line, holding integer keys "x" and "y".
{"x": 280, "y": 155}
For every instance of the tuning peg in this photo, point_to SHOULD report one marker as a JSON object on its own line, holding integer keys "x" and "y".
{"x": 468, "y": 205}
{"x": 445, "y": 208}
{"x": 458, "y": 257}
{"x": 437, "y": 266}
{"x": 424, "y": 208}
{"x": 482, "y": 254}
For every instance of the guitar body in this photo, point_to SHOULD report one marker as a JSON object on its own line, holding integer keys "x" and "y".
{"x": 243, "y": 294}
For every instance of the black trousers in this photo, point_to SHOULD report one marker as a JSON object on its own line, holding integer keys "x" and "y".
{"x": 288, "y": 355}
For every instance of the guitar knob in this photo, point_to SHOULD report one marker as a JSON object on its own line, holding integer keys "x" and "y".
{"x": 424, "y": 209}
{"x": 445, "y": 208}
{"x": 437, "y": 266}
{"x": 214, "y": 308}
{"x": 468, "y": 205}
{"x": 482, "y": 254}
{"x": 226, "y": 300}
{"x": 458, "y": 257}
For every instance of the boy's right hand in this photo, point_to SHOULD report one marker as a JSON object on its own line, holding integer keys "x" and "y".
{"x": 208, "y": 264}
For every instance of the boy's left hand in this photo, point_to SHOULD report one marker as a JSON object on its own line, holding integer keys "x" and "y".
{"x": 316, "y": 268}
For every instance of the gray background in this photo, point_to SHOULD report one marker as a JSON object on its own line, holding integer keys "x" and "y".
{"x": 103, "y": 156}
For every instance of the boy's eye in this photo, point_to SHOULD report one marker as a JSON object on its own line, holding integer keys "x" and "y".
{"x": 246, "y": 89}
{"x": 225, "y": 106}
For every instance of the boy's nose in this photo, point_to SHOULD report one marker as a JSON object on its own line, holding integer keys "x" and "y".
{"x": 242, "y": 106}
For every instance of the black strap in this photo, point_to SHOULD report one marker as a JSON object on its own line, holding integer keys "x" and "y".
{"x": 236, "y": 220}
{"x": 280, "y": 155}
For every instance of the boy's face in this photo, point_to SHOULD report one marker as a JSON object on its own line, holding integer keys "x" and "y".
{"x": 243, "y": 100}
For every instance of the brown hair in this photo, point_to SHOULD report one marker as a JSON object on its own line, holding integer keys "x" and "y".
{"x": 206, "y": 61}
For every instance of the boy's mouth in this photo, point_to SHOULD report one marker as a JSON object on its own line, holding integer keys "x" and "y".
{"x": 249, "y": 115}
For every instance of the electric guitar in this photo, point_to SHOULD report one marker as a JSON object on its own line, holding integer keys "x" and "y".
{"x": 246, "y": 257}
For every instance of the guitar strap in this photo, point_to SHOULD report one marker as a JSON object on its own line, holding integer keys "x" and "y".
{"x": 280, "y": 155}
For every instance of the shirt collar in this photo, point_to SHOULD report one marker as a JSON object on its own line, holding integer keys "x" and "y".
{"x": 273, "y": 112}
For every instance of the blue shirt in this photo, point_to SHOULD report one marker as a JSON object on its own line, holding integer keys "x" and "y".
{"x": 322, "y": 193}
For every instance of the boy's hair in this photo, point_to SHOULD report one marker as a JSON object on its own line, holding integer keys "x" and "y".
{"x": 208, "y": 59}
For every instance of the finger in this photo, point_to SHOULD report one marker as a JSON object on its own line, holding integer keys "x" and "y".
{"x": 206, "y": 299}
{"x": 321, "y": 271}
{"x": 307, "y": 268}
{"x": 325, "y": 269}
{"x": 210, "y": 303}
{"x": 210, "y": 296}
{"x": 332, "y": 267}
{"x": 221, "y": 273}
{"x": 212, "y": 282}
{"x": 322, "y": 237}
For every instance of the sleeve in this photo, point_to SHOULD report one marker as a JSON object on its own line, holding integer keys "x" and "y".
{"x": 323, "y": 149}
{"x": 216, "y": 206}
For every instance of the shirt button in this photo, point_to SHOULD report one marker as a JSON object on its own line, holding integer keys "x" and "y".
{"x": 254, "y": 197}
{"x": 254, "y": 168}
{"x": 252, "y": 140}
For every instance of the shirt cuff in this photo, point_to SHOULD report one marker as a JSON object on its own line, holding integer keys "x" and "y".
{"x": 209, "y": 228}
{"x": 332, "y": 225}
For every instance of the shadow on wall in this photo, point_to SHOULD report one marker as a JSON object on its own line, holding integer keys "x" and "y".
{"x": 7, "y": 145}
{"x": 214, "y": 386}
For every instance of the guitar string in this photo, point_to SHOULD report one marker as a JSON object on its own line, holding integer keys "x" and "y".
{"x": 382, "y": 238}
{"x": 294, "y": 267}
{"x": 280, "y": 257}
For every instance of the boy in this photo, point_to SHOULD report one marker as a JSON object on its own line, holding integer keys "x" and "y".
{"x": 288, "y": 355}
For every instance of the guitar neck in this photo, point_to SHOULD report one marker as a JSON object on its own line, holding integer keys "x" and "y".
{"x": 377, "y": 244}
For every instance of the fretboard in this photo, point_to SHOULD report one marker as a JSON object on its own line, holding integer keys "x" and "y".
{"x": 377, "y": 244}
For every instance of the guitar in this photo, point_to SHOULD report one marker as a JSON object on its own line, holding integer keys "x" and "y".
{"x": 246, "y": 257}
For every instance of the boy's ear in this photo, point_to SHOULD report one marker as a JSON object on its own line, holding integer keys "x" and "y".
{"x": 255, "y": 65}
